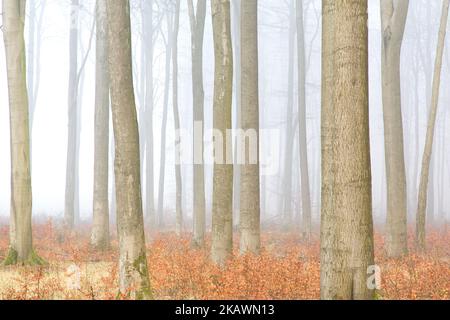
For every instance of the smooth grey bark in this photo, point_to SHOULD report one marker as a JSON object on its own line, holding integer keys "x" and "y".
{"x": 100, "y": 225}
{"x": 286, "y": 198}
{"x": 304, "y": 167}
{"x": 236, "y": 38}
{"x": 133, "y": 271}
{"x": 426, "y": 160}
{"x": 393, "y": 17}
{"x": 176, "y": 116}
{"x": 346, "y": 227}
{"x": 197, "y": 26}
{"x": 34, "y": 55}
{"x": 162, "y": 162}
{"x": 21, "y": 241}
{"x": 222, "y": 215}
{"x": 249, "y": 221}
{"x": 148, "y": 31}
{"x": 69, "y": 207}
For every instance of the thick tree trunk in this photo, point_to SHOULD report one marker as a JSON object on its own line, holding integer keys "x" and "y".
{"x": 393, "y": 26}
{"x": 133, "y": 270}
{"x": 222, "y": 224}
{"x": 69, "y": 208}
{"x": 304, "y": 167}
{"x": 249, "y": 221}
{"x": 176, "y": 116}
{"x": 423, "y": 188}
{"x": 197, "y": 24}
{"x": 21, "y": 241}
{"x": 346, "y": 228}
{"x": 100, "y": 224}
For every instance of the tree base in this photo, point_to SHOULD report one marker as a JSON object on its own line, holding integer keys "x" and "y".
{"x": 12, "y": 258}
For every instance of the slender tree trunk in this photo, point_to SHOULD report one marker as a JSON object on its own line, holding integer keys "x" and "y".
{"x": 423, "y": 188}
{"x": 304, "y": 167}
{"x": 222, "y": 218}
{"x": 197, "y": 24}
{"x": 346, "y": 228}
{"x": 149, "y": 170}
{"x": 249, "y": 221}
{"x": 236, "y": 38}
{"x": 176, "y": 117}
{"x": 69, "y": 211}
{"x": 100, "y": 225}
{"x": 133, "y": 270}
{"x": 21, "y": 241}
{"x": 393, "y": 26}
{"x": 290, "y": 135}
{"x": 162, "y": 162}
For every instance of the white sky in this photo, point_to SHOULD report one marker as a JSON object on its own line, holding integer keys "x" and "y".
{"x": 50, "y": 130}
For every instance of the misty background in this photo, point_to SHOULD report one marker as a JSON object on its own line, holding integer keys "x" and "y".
{"x": 49, "y": 136}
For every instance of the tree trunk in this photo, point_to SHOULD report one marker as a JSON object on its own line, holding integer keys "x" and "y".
{"x": 149, "y": 170}
{"x": 162, "y": 162}
{"x": 100, "y": 224}
{"x": 133, "y": 270}
{"x": 236, "y": 38}
{"x": 393, "y": 26}
{"x": 249, "y": 221}
{"x": 69, "y": 208}
{"x": 304, "y": 167}
{"x": 222, "y": 217}
{"x": 286, "y": 207}
{"x": 197, "y": 24}
{"x": 423, "y": 188}
{"x": 176, "y": 117}
{"x": 21, "y": 241}
{"x": 346, "y": 228}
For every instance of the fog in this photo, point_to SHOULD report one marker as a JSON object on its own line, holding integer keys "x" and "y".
{"x": 49, "y": 135}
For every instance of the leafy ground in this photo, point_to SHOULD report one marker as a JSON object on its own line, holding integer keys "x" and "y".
{"x": 286, "y": 269}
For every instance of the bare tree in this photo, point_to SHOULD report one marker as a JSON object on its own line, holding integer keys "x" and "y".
{"x": 148, "y": 35}
{"x": 393, "y": 17}
{"x": 304, "y": 168}
{"x": 176, "y": 116}
{"x": 197, "y": 25}
{"x": 69, "y": 210}
{"x": 222, "y": 218}
{"x": 21, "y": 240}
{"x": 249, "y": 221}
{"x": 162, "y": 162}
{"x": 425, "y": 172}
{"x": 133, "y": 270}
{"x": 346, "y": 227}
{"x": 100, "y": 224}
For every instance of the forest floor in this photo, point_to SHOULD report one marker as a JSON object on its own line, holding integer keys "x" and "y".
{"x": 286, "y": 269}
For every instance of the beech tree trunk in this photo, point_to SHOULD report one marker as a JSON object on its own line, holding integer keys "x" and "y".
{"x": 346, "y": 228}
{"x": 21, "y": 240}
{"x": 249, "y": 221}
{"x": 149, "y": 170}
{"x": 304, "y": 167}
{"x": 222, "y": 216}
{"x": 69, "y": 208}
{"x": 133, "y": 270}
{"x": 393, "y": 25}
{"x": 197, "y": 25}
{"x": 162, "y": 160}
{"x": 100, "y": 224}
{"x": 425, "y": 172}
{"x": 176, "y": 116}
